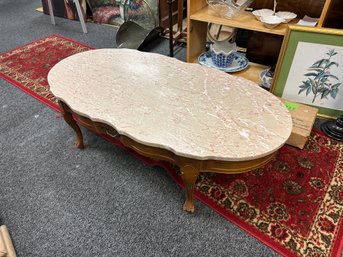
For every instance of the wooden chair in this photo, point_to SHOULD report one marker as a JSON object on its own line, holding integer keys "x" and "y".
{"x": 174, "y": 37}
{"x": 79, "y": 13}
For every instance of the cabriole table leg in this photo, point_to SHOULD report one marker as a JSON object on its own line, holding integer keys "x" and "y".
{"x": 189, "y": 175}
{"x": 68, "y": 117}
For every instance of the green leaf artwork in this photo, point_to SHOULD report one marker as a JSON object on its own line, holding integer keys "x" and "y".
{"x": 320, "y": 82}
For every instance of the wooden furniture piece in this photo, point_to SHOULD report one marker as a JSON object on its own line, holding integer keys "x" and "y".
{"x": 79, "y": 13}
{"x": 178, "y": 9}
{"x": 173, "y": 17}
{"x": 197, "y": 118}
{"x": 198, "y": 18}
{"x": 6, "y": 246}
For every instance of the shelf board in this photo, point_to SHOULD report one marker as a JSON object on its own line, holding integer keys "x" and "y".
{"x": 244, "y": 20}
{"x": 252, "y": 72}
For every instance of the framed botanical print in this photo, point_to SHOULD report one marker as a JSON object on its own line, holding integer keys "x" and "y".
{"x": 310, "y": 69}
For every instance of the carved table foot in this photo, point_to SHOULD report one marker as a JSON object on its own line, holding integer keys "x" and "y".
{"x": 68, "y": 117}
{"x": 189, "y": 175}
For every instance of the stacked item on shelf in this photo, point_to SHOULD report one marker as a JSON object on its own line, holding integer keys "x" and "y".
{"x": 222, "y": 53}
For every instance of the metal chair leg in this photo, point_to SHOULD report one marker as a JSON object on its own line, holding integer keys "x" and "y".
{"x": 79, "y": 13}
{"x": 51, "y": 11}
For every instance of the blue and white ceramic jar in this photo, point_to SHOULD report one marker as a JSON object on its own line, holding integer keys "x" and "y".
{"x": 222, "y": 53}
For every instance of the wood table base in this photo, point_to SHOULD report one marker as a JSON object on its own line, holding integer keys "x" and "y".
{"x": 6, "y": 245}
{"x": 190, "y": 168}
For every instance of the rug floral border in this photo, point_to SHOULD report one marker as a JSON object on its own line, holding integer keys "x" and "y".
{"x": 326, "y": 226}
{"x": 38, "y": 88}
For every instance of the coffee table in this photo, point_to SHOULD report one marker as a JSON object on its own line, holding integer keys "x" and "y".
{"x": 198, "y": 118}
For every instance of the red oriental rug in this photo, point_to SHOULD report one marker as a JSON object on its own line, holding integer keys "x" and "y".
{"x": 27, "y": 67}
{"x": 294, "y": 204}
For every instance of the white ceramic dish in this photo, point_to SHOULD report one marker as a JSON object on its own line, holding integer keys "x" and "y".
{"x": 262, "y": 12}
{"x": 288, "y": 16}
{"x": 225, "y": 47}
{"x": 271, "y": 21}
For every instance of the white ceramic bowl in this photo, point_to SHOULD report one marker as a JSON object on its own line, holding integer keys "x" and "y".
{"x": 262, "y": 12}
{"x": 224, "y": 46}
{"x": 288, "y": 16}
{"x": 271, "y": 21}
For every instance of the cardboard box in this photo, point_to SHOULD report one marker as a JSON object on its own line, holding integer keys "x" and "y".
{"x": 303, "y": 117}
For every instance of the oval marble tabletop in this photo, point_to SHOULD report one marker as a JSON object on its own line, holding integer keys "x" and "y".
{"x": 189, "y": 109}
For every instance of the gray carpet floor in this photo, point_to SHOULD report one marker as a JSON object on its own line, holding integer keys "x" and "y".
{"x": 59, "y": 201}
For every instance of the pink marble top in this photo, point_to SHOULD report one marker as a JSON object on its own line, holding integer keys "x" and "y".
{"x": 192, "y": 110}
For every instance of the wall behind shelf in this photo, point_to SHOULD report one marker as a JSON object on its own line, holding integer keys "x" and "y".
{"x": 335, "y": 15}
{"x": 264, "y": 48}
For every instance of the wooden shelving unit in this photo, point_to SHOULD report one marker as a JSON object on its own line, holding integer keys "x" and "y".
{"x": 199, "y": 16}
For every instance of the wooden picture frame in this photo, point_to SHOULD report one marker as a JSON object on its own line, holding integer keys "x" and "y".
{"x": 310, "y": 69}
